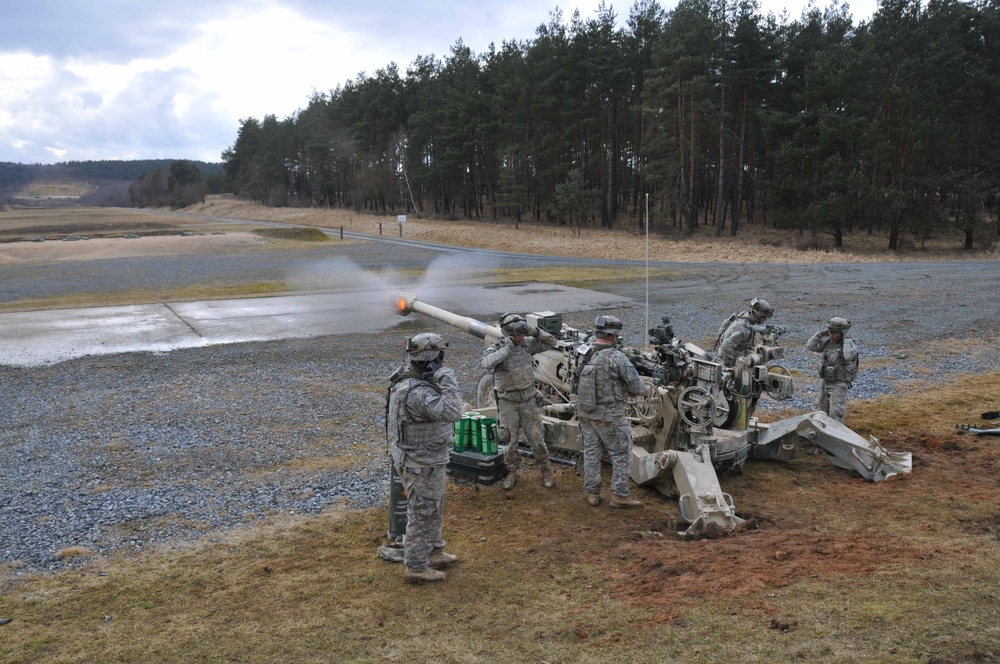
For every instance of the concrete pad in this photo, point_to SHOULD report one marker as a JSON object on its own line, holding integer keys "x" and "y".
{"x": 33, "y": 338}
{"x": 44, "y": 337}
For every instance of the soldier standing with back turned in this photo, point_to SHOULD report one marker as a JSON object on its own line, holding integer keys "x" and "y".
{"x": 423, "y": 404}
{"x": 514, "y": 382}
{"x": 839, "y": 367}
{"x": 606, "y": 380}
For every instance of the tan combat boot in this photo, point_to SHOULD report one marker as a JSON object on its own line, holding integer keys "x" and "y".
{"x": 594, "y": 499}
{"x": 442, "y": 559}
{"x": 547, "y": 480}
{"x": 423, "y": 576}
{"x": 510, "y": 480}
{"x": 624, "y": 503}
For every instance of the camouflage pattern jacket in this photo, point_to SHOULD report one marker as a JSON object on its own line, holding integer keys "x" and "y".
{"x": 840, "y": 361}
{"x": 512, "y": 366}
{"x": 737, "y": 340}
{"x": 420, "y": 417}
{"x": 605, "y": 383}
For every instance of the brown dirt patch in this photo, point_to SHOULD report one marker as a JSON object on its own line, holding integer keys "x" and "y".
{"x": 98, "y": 248}
{"x": 815, "y": 522}
{"x": 746, "y": 563}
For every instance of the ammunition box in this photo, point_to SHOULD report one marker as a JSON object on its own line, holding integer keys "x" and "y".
{"x": 476, "y": 467}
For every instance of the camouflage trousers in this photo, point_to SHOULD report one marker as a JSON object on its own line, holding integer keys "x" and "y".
{"x": 833, "y": 399}
{"x": 424, "y": 489}
{"x": 615, "y": 436}
{"x": 522, "y": 416}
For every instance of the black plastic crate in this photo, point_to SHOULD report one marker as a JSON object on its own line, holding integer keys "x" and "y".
{"x": 476, "y": 467}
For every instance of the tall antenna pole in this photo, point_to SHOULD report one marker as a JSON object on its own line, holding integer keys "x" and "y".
{"x": 646, "y": 330}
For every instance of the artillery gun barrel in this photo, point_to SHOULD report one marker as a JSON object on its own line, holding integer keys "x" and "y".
{"x": 404, "y": 303}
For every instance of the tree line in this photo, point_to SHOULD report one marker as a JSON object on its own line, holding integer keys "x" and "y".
{"x": 712, "y": 115}
{"x": 111, "y": 179}
{"x": 182, "y": 184}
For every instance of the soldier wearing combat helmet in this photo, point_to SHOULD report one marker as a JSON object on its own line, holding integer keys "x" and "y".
{"x": 423, "y": 404}
{"x": 736, "y": 337}
{"x": 514, "y": 382}
{"x": 605, "y": 380}
{"x": 838, "y": 368}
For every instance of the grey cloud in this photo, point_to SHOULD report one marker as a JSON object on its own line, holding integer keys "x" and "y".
{"x": 112, "y": 29}
{"x": 138, "y": 124}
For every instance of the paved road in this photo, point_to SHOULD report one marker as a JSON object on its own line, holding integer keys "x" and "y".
{"x": 895, "y": 306}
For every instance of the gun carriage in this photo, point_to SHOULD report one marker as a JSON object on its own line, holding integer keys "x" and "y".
{"x": 697, "y": 420}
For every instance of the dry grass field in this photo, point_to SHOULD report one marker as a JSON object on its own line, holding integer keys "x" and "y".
{"x": 829, "y": 568}
{"x": 755, "y": 244}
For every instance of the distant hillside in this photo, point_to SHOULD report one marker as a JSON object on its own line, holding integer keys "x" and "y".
{"x": 80, "y": 182}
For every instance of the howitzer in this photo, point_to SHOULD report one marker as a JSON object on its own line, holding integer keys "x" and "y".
{"x": 697, "y": 419}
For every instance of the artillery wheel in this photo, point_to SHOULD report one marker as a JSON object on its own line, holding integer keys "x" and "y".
{"x": 696, "y": 406}
{"x": 781, "y": 371}
{"x": 643, "y": 409}
{"x": 485, "y": 397}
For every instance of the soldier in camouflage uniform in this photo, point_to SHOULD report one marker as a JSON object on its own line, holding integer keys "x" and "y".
{"x": 737, "y": 337}
{"x": 424, "y": 402}
{"x": 838, "y": 368}
{"x": 606, "y": 378}
{"x": 514, "y": 382}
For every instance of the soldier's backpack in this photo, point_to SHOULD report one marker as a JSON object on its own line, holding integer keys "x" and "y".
{"x": 722, "y": 329}
{"x": 851, "y": 362}
{"x": 586, "y": 381}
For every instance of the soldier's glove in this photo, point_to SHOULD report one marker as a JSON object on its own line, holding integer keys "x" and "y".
{"x": 432, "y": 369}
{"x": 776, "y": 329}
{"x": 509, "y": 343}
{"x": 532, "y": 331}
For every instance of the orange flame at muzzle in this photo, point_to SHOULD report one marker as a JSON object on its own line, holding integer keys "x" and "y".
{"x": 400, "y": 303}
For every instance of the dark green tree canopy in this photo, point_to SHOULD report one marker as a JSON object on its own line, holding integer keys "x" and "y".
{"x": 714, "y": 113}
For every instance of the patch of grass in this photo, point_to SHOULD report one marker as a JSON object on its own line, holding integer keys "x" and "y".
{"x": 934, "y": 409}
{"x": 580, "y": 277}
{"x": 74, "y": 552}
{"x": 293, "y": 234}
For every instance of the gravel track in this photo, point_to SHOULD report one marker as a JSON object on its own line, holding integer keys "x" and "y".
{"x": 127, "y": 452}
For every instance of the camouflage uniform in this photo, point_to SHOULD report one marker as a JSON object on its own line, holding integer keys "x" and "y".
{"x": 737, "y": 340}
{"x": 838, "y": 369}
{"x": 517, "y": 405}
{"x": 421, "y": 416}
{"x": 603, "y": 425}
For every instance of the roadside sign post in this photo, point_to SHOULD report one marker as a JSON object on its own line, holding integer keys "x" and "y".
{"x": 401, "y": 218}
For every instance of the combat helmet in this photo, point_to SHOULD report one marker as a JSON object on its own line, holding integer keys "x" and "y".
{"x": 838, "y": 324}
{"x": 761, "y": 307}
{"x": 605, "y": 325}
{"x": 513, "y": 324}
{"x": 425, "y": 347}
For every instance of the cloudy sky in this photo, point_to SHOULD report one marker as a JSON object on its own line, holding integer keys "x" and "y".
{"x": 123, "y": 79}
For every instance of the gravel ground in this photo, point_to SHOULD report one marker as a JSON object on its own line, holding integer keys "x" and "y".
{"x": 128, "y": 452}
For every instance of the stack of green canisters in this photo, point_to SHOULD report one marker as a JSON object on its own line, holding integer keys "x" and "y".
{"x": 476, "y": 432}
